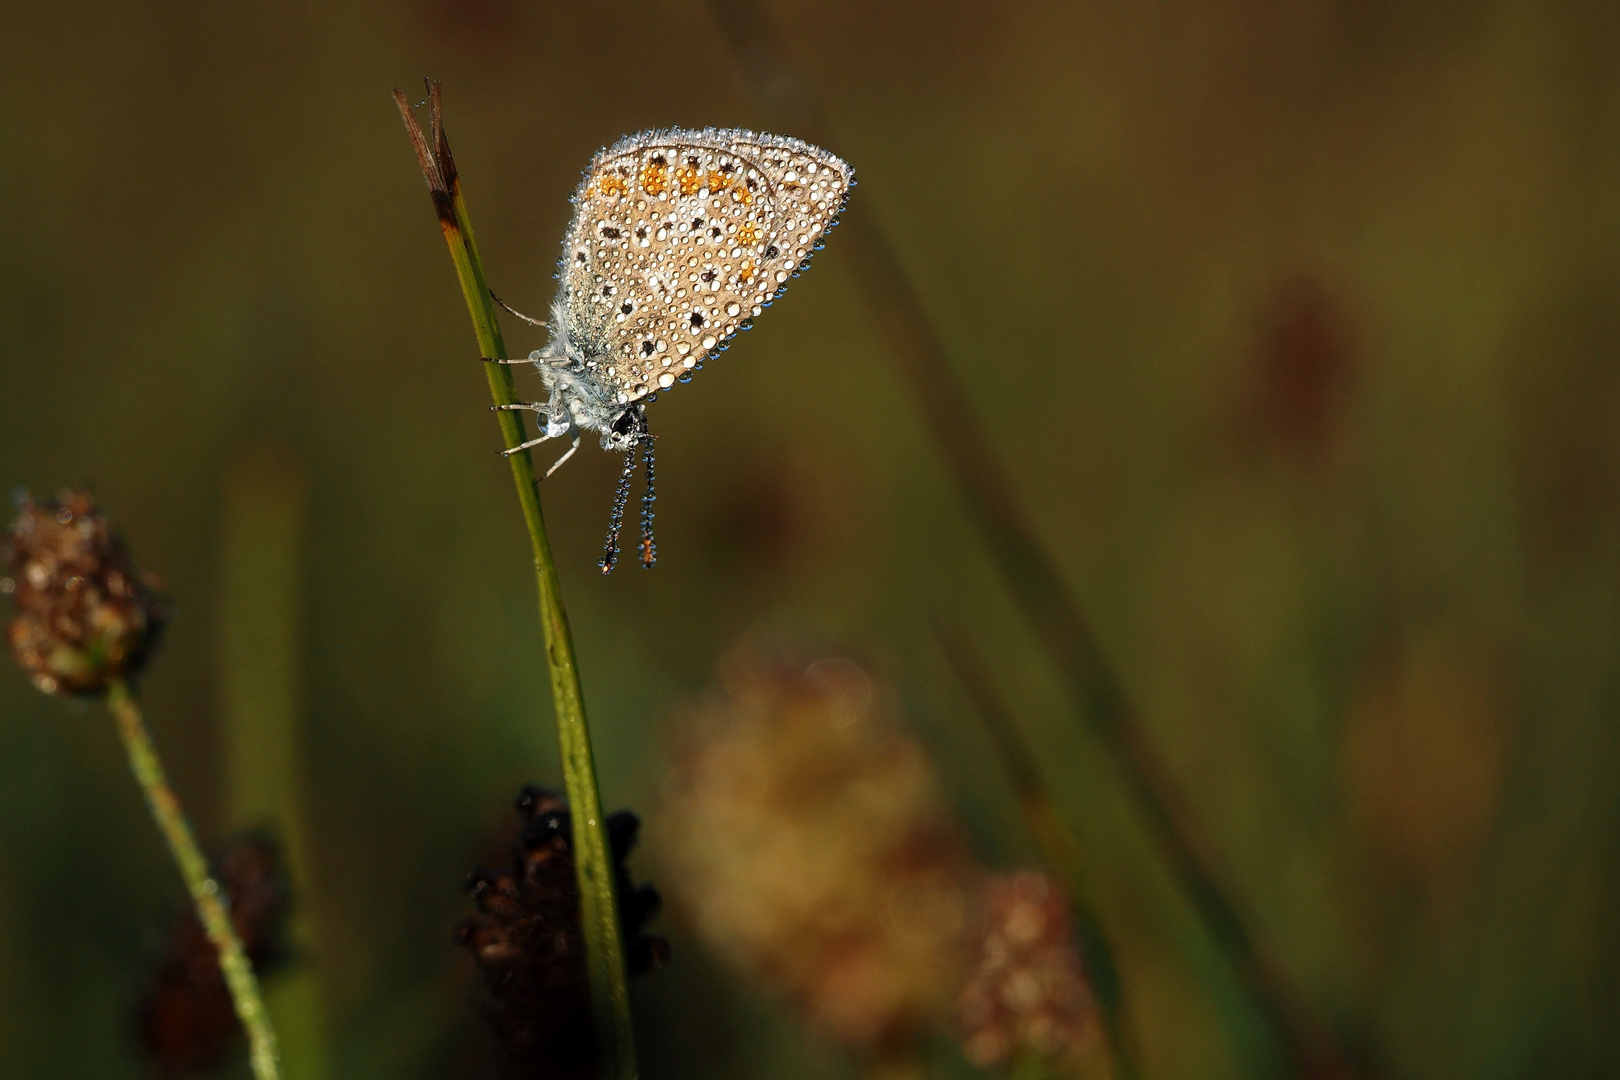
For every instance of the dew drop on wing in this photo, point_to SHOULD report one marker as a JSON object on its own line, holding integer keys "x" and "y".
{"x": 685, "y": 376}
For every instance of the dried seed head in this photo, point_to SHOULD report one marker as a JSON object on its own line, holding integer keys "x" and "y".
{"x": 805, "y": 839}
{"x": 186, "y": 1021}
{"x": 527, "y": 940}
{"x": 84, "y": 616}
{"x": 1026, "y": 993}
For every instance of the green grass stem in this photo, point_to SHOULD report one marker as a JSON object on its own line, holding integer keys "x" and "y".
{"x": 610, "y": 992}
{"x": 205, "y": 891}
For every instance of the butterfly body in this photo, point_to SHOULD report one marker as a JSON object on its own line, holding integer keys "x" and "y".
{"x": 679, "y": 239}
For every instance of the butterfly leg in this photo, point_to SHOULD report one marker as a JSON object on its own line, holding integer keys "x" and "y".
{"x": 526, "y": 406}
{"x": 525, "y": 446}
{"x": 555, "y": 465}
{"x": 552, "y": 427}
{"x": 519, "y": 314}
{"x": 551, "y": 410}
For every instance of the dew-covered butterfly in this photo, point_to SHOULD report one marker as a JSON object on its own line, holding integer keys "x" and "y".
{"x": 679, "y": 239}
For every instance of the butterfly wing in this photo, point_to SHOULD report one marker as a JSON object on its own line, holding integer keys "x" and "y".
{"x": 680, "y": 237}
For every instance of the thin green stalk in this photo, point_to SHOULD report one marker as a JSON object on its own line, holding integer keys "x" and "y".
{"x": 604, "y": 951}
{"x": 205, "y": 891}
{"x": 1059, "y": 848}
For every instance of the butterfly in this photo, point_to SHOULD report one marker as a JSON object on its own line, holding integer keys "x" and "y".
{"x": 679, "y": 240}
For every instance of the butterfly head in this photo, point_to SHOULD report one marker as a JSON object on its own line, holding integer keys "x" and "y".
{"x": 627, "y": 430}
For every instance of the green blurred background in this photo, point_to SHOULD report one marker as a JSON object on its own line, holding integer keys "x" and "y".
{"x": 1296, "y": 322}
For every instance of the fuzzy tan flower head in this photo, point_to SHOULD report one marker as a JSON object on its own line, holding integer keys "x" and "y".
{"x": 1026, "y": 993}
{"x": 804, "y": 837}
{"x": 84, "y": 616}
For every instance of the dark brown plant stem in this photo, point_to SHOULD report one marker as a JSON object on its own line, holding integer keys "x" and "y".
{"x": 1058, "y": 845}
{"x": 604, "y": 951}
{"x": 1031, "y": 574}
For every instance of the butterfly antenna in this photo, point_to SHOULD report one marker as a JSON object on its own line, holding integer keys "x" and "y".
{"x": 649, "y": 546}
{"x": 610, "y": 552}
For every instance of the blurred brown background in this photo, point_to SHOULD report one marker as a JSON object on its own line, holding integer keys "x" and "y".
{"x": 1296, "y": 322}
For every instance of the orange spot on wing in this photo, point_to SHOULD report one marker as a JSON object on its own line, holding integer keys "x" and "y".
{"x": 611, "y": 186}
{"x": 748, "y": 234}
{"x": 688, "y": 179}
{"x": 655, "y": 179}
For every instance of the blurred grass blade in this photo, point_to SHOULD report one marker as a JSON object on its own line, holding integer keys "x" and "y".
{"x": 610, "y": 993}
{"x": 1031, "y": 575}
{"x": 261, "y": 682}
{"x": 1058, "y": 845}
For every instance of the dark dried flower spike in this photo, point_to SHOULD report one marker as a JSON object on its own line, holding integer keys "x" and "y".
{"x": 85, "y": 617}
{"x": 526, "y": 937}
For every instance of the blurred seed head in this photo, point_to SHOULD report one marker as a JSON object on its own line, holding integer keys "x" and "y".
{"x": 527, "y": 941}
{"x": 84, "y": 615}
{"x": 1305, "y": 371}
{"x": 185, "y": 1020}
{"x": 1427, "y": 751}
{"x": 1026, "y": 992}
{"x": 804, "y": 837}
